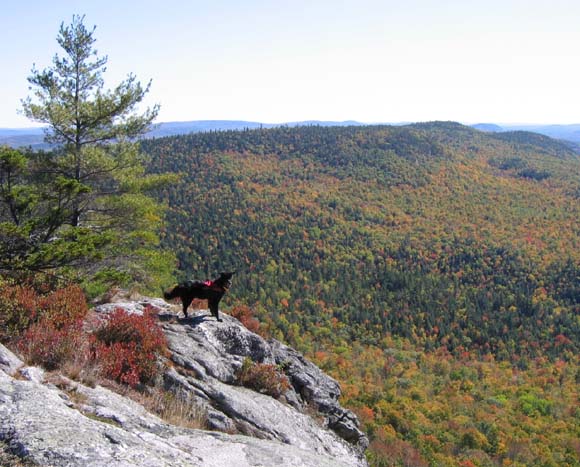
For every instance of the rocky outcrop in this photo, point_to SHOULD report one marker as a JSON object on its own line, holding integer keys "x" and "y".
{"x": 317, "y": 389}
{"x": 41, "y": 424}
{"x": 73, "y": 424}
{"x": 9, "y": 362}
{"x": 214, "y": 353}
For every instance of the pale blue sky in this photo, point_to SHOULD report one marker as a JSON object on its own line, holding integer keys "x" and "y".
{"x": 507, "y": 61}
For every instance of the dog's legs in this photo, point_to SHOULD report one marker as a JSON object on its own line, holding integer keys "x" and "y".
{"x": 186, "y": 303}
{"x": 214, "y": 308}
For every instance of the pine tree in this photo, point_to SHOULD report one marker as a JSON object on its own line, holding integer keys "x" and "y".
{"x": 90, "y": 209}
{"x": 93, "y": 126}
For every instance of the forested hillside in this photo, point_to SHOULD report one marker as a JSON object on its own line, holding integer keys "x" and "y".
{"x": 434, "y": 232}
{"x": 459, "y": 248}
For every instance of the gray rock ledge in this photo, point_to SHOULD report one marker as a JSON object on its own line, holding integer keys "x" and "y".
{"x": 306, "y": 427}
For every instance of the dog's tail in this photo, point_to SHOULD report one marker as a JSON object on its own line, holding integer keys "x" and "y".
{"x": 169, "y": 294}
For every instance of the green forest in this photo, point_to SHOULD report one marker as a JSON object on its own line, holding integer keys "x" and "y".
{"x": 433, "y": 269}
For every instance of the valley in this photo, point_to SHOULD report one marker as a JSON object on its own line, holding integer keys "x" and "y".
{"x": 432, "y": 268}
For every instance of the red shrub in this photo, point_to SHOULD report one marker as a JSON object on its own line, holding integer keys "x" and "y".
{"x": 47, "y": 329}
{"x": 122, "y": 362}
{"x": 21, "y": 306}
{"x": 264, "y": 378}
{"x": 64, "y": 306}
{"x": 126, "y": 347}
{"x": 18, "y": 310}
{"x": 49, "y": 345}
{"x": 245, "y": 315}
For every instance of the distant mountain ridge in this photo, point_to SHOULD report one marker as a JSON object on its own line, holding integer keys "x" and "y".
{"x": 489, "y": 127}
{"x": 20, "y": 137}
{"x": 565, "y": 132}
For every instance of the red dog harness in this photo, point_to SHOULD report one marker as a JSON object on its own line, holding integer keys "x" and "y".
{"x": 212, "y": 285}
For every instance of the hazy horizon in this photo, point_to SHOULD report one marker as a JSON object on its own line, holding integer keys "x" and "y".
{"x": 501, "y": 124}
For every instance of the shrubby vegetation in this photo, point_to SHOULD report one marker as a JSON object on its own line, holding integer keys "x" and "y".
{"x": 22, "y": 305}
{"x": 56, "y": 332}
{"x": 246, "y": 316}
{"x": 127, "y": 347}
{"x": 263, "y": 377}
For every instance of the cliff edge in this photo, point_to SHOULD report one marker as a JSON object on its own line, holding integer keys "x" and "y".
{"x": 70, "y": 424}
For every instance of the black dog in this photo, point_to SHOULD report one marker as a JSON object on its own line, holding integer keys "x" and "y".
{"x": 213, "y": 291}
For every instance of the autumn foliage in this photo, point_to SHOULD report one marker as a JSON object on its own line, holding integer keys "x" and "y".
{"x": 246, "y": 316}
{"x": 49, "y": 330}
{"x": 431, "y": 268}
{"x": 263, "y": 377}
{"x": 49, "y": 344}
{"x": 18, "y": 310}
{"x": 387, "y": 229}
{"x": 22, "y": 306}
{"x": 127, "y": 346}
{"x": 64, "y": 306}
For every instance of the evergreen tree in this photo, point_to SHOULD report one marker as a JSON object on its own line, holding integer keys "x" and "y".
{"x": 89, "y": 193}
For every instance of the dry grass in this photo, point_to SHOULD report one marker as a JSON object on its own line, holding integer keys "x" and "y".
{"x": 175, "y": 409}
{"x": 311, "y": 409}
{"x": 82, "y": 370}
{"x": 7, "y": 459}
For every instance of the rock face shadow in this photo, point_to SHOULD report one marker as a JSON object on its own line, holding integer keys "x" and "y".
{"x": 166, "y": 317}
{"x": 194, "y": 321}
